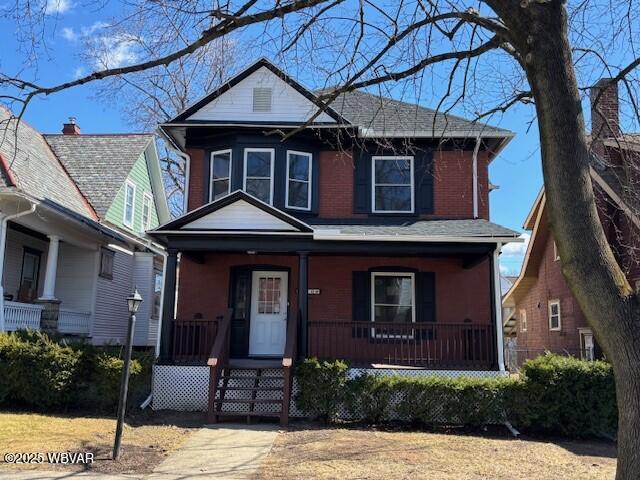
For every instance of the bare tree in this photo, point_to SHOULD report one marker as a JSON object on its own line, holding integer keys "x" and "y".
{"x": 484, "y": 56}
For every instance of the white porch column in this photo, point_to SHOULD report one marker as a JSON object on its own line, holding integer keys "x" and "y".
{"x": 49, "y": 289}
{"x": 498, "y": 306}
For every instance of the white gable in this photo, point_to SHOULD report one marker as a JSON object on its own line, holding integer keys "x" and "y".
{"x": 236, "y": 104}
{"x": 240, "y": 215}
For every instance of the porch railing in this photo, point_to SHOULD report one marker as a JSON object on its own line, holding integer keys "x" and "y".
{"x": 193, "y": 339}
{"x": 217, "y": 361}
{"x": 74, "y": 322}
{"x": 462, "y": 346}
{"x": 20, "y": 316}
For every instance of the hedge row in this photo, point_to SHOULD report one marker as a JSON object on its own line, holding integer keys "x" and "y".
{"x": 553, "y": 394}
{"x": 39, "y": 372}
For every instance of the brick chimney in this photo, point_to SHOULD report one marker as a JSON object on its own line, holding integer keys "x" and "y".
{"x": 71, "y": 128}
{"x": 605, "y": 120}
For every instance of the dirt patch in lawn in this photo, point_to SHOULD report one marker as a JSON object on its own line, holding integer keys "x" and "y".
{"x": 367, "y": 453}
{"x": 147, "y": 439}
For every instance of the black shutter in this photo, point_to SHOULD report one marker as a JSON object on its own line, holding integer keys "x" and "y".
{"x": 426, "y": 302}
{"x": 315, "y": 182}
{"x": 424, "y": 181}
{"x": 279, "y": 176}
{"x": 362, "y": 182}
{"x": 361, "y": 302}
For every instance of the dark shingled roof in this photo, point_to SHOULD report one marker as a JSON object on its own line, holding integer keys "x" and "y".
{"x": 34, "y": 167}
{"x": 381, "y": 116}
{"x": 430, "y": 228}
{"x": 99, "y": 164}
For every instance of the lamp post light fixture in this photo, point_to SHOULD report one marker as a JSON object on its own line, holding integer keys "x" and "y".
{"x": 133, "y": 303}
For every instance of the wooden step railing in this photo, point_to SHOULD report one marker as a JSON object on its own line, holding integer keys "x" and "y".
{"x": 218, "y": 359}
{"x": 427, "y": 345}
{"x": 288, "y": 359}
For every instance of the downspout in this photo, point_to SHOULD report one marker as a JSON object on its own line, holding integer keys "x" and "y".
{"x": 3, "y": 243}
{"x": 498, "y": 307}
{"x": 475, "y": 177}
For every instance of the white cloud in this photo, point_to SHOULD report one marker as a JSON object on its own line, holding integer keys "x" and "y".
{"x": 513, "y": 256}
{"x": 517, "y": 248}
{"x": 91, "y": 29}
{"x": 78, "y": 72}
{"x": 69, "y": 33}
{"x": 115, "y": 51}
{"x": 53, "y": 7}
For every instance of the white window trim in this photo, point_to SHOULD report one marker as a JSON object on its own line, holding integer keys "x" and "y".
{"x": 309, "y": 188}
{"x": 373, "y": 182}
{"x": 129, "y": 183}
{"x": 559, "y": 327}
{"x": 523, "y": 315}
{"x": 373, "y": 301}
{"x": 244, "y": 176}
{"x": 147, "y": 198}
{"x": 211, "y": 155}
{"x": 556, "y": 257}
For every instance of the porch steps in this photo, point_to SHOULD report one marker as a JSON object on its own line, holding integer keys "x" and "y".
{"x": 249, "y": 392}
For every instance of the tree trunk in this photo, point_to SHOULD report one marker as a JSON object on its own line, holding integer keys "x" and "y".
{"x": 588, "y": 264}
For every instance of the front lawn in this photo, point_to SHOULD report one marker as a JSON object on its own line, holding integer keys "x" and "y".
{"x": 331, "y": 453}
{"x": 147, "y": 439}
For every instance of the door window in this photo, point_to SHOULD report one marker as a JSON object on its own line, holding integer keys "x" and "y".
{"x": 269, "y": 293}
{"x": 30, "y": 270}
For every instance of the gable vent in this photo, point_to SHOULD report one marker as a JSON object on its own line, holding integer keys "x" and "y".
{"x": 261, "y": 99}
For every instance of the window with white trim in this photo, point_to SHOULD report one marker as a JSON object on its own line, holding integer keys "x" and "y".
{"x": 392, "y": 184}
{"x": 147, "y": 201}
{"x": 554, "y": 315}
{"x": 298, "y": 190}
{"x": 393, "y": 297}
{"x": 129, "y": 203}
{"x": 106, "y": 263}
{"x": 523, "y": 320}
{"x": 220, "y": 182}
{"x": 258, "y": 173}
{"x": 556, "y": 256}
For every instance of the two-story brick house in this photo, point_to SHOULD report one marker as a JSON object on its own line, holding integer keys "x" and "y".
{"x": 362, "y": 234}
{"x": 539, "y": 309}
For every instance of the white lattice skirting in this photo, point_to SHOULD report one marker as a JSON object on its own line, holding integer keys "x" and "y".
{"x": 185, "y": 388}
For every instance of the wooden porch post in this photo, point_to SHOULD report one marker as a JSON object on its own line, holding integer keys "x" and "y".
{"x": 168, "y": 305}
{"x": 496, "y": 302}
{"x": 303, "y": 287}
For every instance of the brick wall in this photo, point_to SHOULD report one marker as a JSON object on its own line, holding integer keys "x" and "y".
{"x": 453, "y": 184}
{"x": 204, "y": 288}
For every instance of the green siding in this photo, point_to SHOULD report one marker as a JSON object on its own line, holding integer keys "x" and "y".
{"x": 139, "y": 175}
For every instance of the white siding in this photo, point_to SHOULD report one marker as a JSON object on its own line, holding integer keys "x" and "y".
{"x": 111, "y": 313}
{"x": 75, "y": 278}
{"x": 236, "y": 104}
{"x": 239, "y": 215}
{"x": 16, "y": 241}
{"x": 142, "y": 279}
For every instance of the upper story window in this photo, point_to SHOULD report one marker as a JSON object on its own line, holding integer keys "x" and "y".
{"x": 129, "y": 203}
{"x": 554, "y": 315}
{"x": 392, "y": 189}
{"x": 523, "y": 320}
{"x": 298, "y": 190}
{"x": 106, "y": 263}
{"x": 147, "y": 201}
{"x": 258, "y": 173}
{"x": 262, "y": 99}
{"x": 220, "y": 174}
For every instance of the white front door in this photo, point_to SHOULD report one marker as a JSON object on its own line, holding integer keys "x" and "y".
{"x": 268, "y": 327}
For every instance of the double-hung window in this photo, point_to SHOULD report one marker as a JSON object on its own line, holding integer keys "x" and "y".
{"x": 392, "y": 189}
{"x": 523, "y": 320}
{"x": 393, "y": 302}
{"x": 258, "y": 173}
{"x": 129, "y": 203}
{"x": 146, "y": 211}
{"x": 298, "y": 192}
{"x": 220, "y": 185}
{"x": 554, "y": 315}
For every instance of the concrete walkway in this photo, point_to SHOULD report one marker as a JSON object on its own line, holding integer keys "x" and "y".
{"x": 225, "y": 452}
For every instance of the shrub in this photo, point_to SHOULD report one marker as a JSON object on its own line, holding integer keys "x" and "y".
{"x": 321, "y": 387}
{"x": 567, "y": 396}
{"x": 369, "y": 397}
{"x": 37, "y": 372}
{"x": 107, "y": 377}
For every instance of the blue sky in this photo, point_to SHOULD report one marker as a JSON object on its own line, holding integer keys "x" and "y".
{"x": 517, "y": 170}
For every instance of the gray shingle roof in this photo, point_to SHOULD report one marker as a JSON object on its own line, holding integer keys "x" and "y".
{"x": 381, "y": 116}
{"x": 34, "y": 167}
{"x": 431, "y": 228}
{"x": 99, "y": 164}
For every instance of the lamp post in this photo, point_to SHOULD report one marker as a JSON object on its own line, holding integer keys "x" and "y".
{"x": 133, "y": 302}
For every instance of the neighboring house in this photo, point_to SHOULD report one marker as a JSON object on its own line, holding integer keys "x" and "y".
{"x": 539, "y": 309}
{"x": 377, "y": 250}
{"x": 73, "y": 212}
